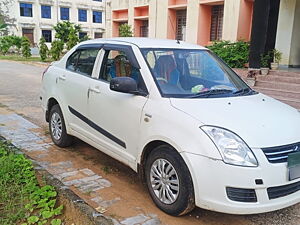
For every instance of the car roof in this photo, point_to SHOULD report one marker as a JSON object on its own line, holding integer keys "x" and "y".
{"x": 146, "y": 42}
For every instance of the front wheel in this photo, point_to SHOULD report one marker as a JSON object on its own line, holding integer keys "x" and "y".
{"x": 169, "y": 181}
{"x": 57, "y": 128}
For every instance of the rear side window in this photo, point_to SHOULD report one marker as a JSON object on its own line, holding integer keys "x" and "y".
{"x": 82, "y": 61}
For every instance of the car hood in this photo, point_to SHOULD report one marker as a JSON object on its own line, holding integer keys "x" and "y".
{"x": 259, "y": 120}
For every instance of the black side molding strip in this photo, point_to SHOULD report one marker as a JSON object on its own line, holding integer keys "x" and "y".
{"x": 97, "y": 128}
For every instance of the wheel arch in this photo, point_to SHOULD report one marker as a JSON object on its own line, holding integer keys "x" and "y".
{"x": 148, "y": 148}
{"x": 51, "y": 102}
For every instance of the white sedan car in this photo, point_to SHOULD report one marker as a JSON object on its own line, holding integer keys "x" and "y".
{"x": 180, "y": 117}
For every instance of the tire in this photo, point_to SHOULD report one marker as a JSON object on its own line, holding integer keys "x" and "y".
{"x": 57, "y": 128}
{"x": 182, "y": 201}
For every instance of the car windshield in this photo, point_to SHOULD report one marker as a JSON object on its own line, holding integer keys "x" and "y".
{"x": 192, "y": 73}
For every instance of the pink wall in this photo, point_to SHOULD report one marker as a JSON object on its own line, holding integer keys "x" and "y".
{"x": 204, "y": 24}
{"x": 141, "y": 11}
{"x": 137, "y": 26}
{"x": 245, "y": 20}
{"x": 171, "y": 29}
{"x": 120, "y": 14}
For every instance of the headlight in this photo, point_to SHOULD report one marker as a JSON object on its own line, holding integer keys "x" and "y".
{"x": 232, "y": 148}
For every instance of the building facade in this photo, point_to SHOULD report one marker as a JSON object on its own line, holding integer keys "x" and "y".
{"x": 205, "y": 21}
{"x": 195, "y": 21}
{"x": 36, "y": 18}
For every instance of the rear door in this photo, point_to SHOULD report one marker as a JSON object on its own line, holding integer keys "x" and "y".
{"x": 74, "y": 83}
{"x": 117, "y": 116}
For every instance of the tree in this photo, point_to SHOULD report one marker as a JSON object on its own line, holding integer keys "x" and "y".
{"x": 125, "y": 30}
{"x": 63, "y": 30}
{"x": 5, "y": 16}
{"x": 72, "y": 39}
{"x": 43, "y": 49}
{"x": 57, "y": 47}
{"x": 26, "y": 47}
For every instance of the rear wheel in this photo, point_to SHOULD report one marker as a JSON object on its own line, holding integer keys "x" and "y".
{"x": 57, "y": 128}
{"x": 169, "y": 181}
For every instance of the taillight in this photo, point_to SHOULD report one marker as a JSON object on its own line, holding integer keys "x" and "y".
{"x": 45, "y": 71}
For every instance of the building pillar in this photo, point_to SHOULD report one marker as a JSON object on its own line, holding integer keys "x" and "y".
{"x": 192, "y": 23}
{"x": 259, "y": 31}
{"x": 231, "y": 20}
{"x": 285, "y": 29}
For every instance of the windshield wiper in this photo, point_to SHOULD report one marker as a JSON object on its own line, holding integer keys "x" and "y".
{"x": 243, "y": 91}
{"x": 210, "y": 92}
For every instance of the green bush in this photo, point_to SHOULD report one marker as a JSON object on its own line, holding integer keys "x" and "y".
{"x": 265, "y": 59}
{"x": 7, "y": 42}
{"x": 234, "y": 54}
{"x": 125, "y": 30}
{"x": 72, "y": 39}
{"x": 57, "y": 47}
{"x": 25, "y": 47}
{"x": 63, "y": 30}
{"x": 22, "y": 200}
{"x": 43, "y": 49}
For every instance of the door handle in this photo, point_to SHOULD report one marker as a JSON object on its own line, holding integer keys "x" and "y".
{"x": 62, "y": 77}
{"x": 95, "y": 90}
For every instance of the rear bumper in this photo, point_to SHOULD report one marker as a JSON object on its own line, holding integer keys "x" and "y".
{"x": 212, "y": 177}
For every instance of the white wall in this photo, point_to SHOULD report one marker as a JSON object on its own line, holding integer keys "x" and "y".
{"x": 285, "y": 29}
{"x": 37, "y": 23}
{"x": 295, "y": 43}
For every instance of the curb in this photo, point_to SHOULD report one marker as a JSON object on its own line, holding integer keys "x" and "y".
{"x": 90, "y": 214}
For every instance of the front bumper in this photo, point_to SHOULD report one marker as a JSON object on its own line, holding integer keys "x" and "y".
{"x": 211, "y": 177}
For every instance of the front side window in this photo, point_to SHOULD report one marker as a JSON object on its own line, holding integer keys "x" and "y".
{"x": 184, "y": 73}
{"x": 64, "y": 13}
{"x": 46, "y": 11}
{"x": 97, "y": 17}
{"x": 47, "y": 34}
{"x": 82, "y": 61}
{"x": 26, "y": 9}
{"x": 82, "y": 15}
{"x": 116, "y": 64}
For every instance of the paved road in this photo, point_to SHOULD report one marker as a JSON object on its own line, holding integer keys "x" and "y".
{"x": 19, "y": 91}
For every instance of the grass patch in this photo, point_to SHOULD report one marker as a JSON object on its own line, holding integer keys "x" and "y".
{"x": 22, "y": 200}
{"x": 23, "y": 59}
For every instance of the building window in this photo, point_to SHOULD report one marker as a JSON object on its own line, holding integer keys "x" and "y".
{"x": 46, "y": 11}
{"x": 47, "y": 34}
{"x": 82, "y": 35}
{"x": 216, "y": 28}
{"x": 180, "y": 24}
{"x": 144, "y": 29}
{"x": 97, "y": 17}
{"x": 82, "y": 15}
{"x": 26, "y": 9}
{"x": 64, "y": 13}
{"x": 98, "y": 35}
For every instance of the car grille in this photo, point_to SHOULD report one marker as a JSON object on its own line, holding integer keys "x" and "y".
{"x": 241, "y": 195}
{"x": 280, "y": 154}
{"x": 281, "y": 191}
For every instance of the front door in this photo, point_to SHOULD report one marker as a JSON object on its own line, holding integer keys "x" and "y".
{"x": 117, "y": 115}
{"x": 29, "y": 34}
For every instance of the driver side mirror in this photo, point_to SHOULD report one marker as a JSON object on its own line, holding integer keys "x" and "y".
{"x": 124, "y": 85}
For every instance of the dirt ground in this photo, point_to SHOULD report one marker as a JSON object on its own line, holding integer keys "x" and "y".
{"x": 19, "y": 92}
